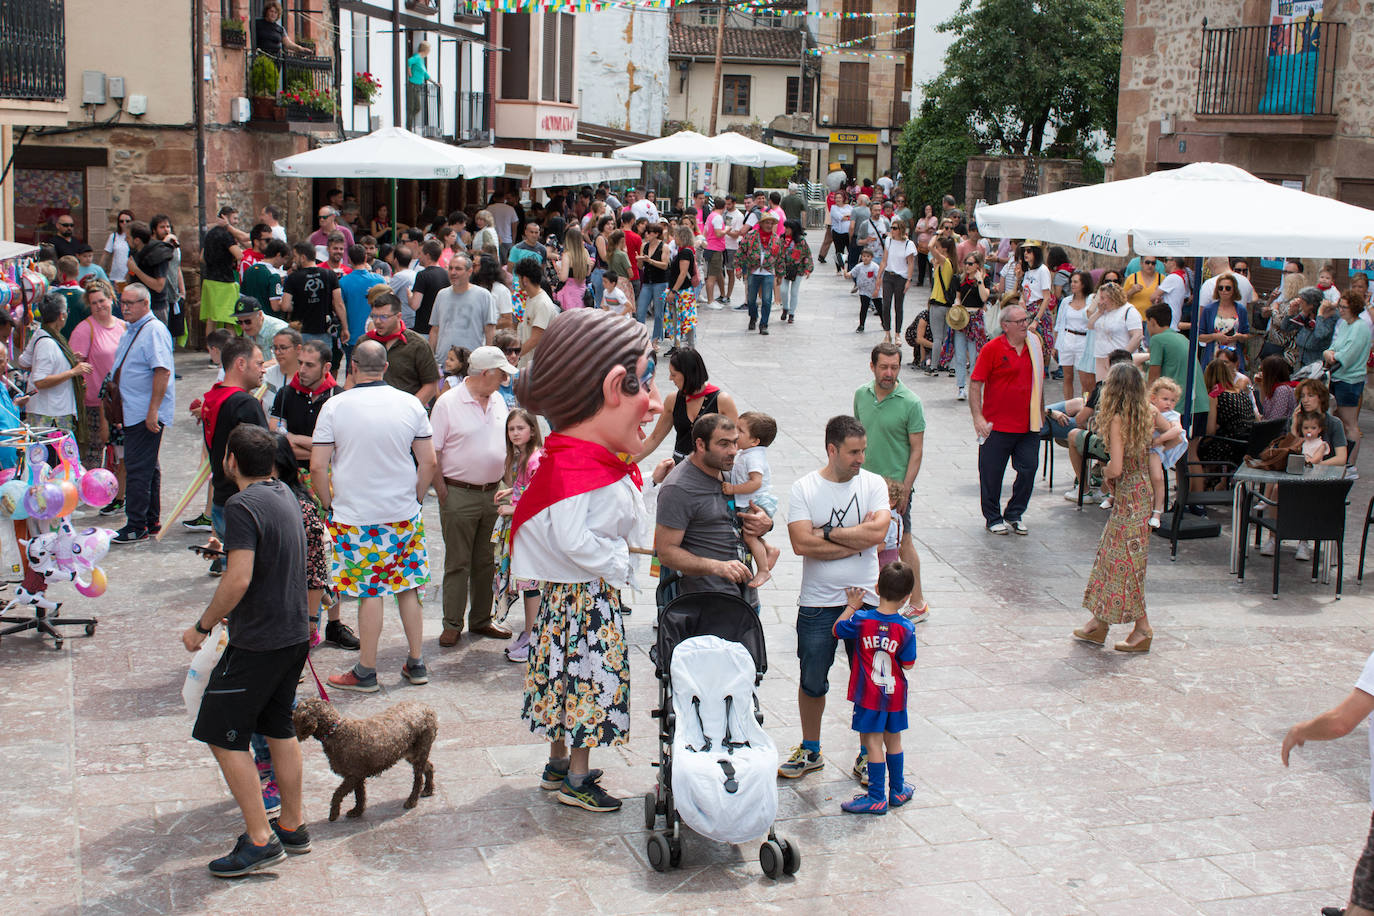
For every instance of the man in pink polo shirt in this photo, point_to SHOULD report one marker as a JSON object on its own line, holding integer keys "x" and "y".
{"x": 714, "y": 229}
{"x": 469, "y": 423}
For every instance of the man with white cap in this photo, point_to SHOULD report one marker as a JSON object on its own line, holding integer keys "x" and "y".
{"x": 470, "y": 441}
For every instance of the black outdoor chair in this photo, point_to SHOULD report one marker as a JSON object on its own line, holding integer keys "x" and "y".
{"x": 1364, "y": 540}
{"x": 1048, "y": 443}
{"x": 1307, "y": 512}
{"x": 1261, "y": 434}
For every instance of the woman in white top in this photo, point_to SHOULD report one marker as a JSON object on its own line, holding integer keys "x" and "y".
{"x": 840, "y": 215}
{"x": 1037, "y": 293}
{"x": 486, "y": 273}
{"x": 898, "y": 270}
{"x": 1071, "y": 326}
{"x": 1116, "y": 326}
{"x": 55, "y": 373}
{"x": 485, "y": 236}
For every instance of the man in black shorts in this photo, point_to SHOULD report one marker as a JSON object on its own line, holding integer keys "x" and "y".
{"x": 252, "y": 689}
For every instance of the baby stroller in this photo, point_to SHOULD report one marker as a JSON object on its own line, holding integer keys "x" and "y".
{"x": 717, "y": 767}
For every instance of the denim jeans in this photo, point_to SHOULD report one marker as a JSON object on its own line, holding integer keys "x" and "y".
{"x": 816, "y": 644}
{"x": 760, "y": 284}
{"x": 965, "y": 354}
{"x": 938, "y": 330}
{"x": 651, "y": 299}
{"x": 143, "y": 476}
{"x": 791, "y": 294}
{"x": 594, "y": 280}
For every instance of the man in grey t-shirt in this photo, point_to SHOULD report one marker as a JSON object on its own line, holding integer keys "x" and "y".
{"x": 464, "y": 315}
{"x": 696, "y": 534}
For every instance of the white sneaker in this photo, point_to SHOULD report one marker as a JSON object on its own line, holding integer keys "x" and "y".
{"x": 1267, "y": 548}
{"x": 1106, "y": 503}
{"x": 1304, "y": 551}
{"x": 1351, "y": 473}
{"x": 963, "y": 394}
{"x": 1071, "y": 495}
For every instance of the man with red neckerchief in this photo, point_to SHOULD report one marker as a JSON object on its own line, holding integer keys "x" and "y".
{"x": 227, "y": 405}
{"x": 295, "y": 409}
{"x": 410, "y": 363}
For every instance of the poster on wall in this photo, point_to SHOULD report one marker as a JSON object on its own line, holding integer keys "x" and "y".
{"x": 1290, "y": 85}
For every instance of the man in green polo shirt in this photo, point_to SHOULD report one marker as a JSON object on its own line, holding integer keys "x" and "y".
{"x": 1169, "y": 358}
{"x": 892, "y": 415}
{"x": 263, "y": 279}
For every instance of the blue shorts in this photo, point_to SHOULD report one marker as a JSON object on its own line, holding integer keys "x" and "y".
{"x": 816, "y": 644}
{"x": 871, "y": 721}
{"x": 1346, "y": 394}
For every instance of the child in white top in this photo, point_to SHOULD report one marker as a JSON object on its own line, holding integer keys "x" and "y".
{"x": 751, "y": 481}
{"x": 1168, "y": 443}
{"x": 1314, "y": 449}
{"x": 865, "y": 277}
{"x": 613, "y": 297}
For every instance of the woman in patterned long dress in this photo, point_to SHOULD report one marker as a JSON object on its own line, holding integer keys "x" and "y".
{"x": 1116, "y": 586}
{"x": 592, "y": 377}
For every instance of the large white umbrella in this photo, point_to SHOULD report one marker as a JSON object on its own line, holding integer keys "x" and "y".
{"x": 545, "y": 170}
{"x": 1201, "y": 210}
{"x": 741, "y": 150}
{"x": 391, "y": 152}
{"x": 683, "y": 146}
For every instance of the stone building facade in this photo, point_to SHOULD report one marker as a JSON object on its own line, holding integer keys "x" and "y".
{"x": 1225, "y": 93}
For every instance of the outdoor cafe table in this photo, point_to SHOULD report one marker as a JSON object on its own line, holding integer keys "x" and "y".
{"x": 1247, "y": 480}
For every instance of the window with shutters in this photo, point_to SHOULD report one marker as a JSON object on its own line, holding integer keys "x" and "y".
{"x": 567, "y": 57}
{"x": 559, "y": 57}
{"x": 515, "y": 63}
{"x": 857, "y": 24}
{"x": 734, "y": 95}
{"x": 549, "y": 90}
{"x": 799, "y": 94}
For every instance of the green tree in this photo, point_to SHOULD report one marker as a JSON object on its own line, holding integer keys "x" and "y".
{"x": 1022, "y": 78}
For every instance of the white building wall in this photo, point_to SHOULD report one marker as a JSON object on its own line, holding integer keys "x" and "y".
{"x": 929, "y": 57}
{"x": 623, "y": 68}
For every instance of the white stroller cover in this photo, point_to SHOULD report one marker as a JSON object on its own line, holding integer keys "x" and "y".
{"x": 724, "y": 764}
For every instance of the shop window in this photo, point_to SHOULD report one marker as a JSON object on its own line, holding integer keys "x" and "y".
{"x": 735, "y": 95}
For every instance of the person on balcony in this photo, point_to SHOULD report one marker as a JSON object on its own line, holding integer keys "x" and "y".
{"x": 269, "y": 35}
{"x": 416, "y": 77}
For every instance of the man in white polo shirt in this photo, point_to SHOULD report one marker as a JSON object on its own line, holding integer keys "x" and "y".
{"x": 367, "y": 437}
{"x": 470, "y": 441}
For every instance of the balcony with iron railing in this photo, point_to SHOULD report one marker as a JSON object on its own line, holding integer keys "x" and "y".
{"x": 853, "y": 113}
{"x": 33, "y": 55}
{"x": 474, "y": 117}
{"x": 291, "y": 88}
{"x": 1270, "y": 79}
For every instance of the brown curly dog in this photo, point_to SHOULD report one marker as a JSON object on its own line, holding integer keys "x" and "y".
{"x": 359, "y": 748}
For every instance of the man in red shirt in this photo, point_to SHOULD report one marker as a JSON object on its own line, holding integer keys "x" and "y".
{"x": 1001, "y": 390}
{"x": 634, "y": 242}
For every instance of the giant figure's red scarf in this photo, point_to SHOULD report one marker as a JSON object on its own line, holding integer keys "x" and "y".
{"x": 569, "y": 467}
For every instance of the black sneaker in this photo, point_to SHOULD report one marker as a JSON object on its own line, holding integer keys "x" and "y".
{"x": 201, "y": 522}
{"x": 116, "y": 507}
{"x": 248, "y": 858}
{"x": 589, "y": 795}
{"x": 742, "y": 307}
{"x": 416, "y": 674}
{"x": 130, "y": 535}
{"x": 295, "y": 842}
{"x": 555, "y": 776}
{"x": 338, "y": 633}
{"x": 753, "y": 324}
{"x": 216, "y": 567}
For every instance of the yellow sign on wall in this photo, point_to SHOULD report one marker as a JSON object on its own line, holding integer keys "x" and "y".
{"x": 840, "y": 136}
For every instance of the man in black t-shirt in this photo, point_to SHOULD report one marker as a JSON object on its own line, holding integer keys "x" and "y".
{"x": 228, "y": 405}
{"x": 298, "y": 404}
{"x": 429, "y": 282}
{"x": 252, "y": 688}
{"x": 310, "y": 294}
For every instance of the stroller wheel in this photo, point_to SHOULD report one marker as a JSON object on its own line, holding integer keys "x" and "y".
{"x": 658, "y": 852}
{"x": 674, "y": 851}
{"x": 770, "y": 858}
{"x": 650, "y": 810}
{"x": 791, "y": 856}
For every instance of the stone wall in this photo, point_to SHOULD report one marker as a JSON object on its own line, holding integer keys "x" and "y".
{"x": 1010, "y": 173}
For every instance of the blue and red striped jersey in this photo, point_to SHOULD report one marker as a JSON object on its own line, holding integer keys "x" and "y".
{"x": 884, "y": 647}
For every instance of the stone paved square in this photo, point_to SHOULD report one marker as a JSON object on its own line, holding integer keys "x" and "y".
{"x": 1052, "y": 777}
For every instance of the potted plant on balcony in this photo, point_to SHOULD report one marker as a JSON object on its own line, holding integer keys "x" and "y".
{"x": 309, "y": 105}
{"x": 233, "y": 33}
{"x": 262, "y": 81}
{"x": 365, "y": 88}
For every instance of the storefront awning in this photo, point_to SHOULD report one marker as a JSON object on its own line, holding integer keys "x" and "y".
{"x": 547, "y": 170}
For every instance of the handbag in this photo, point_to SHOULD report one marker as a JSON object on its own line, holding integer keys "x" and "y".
{"x": 1275, "y": 454}
{"x": 111, "y": 401}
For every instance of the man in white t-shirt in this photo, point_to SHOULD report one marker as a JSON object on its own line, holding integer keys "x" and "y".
{"x": 885, "y": 182}
{"x": 734, "y": 230}
{"x": 1173, "y": 289}
{"x": 371, "y": 463}
{"x": 504, "y": 219}
{"x": 1219, "y": 266}
{"x": 1338, "y": 722}
{"x": 837, "y": 517}
{"x": 645, "y": 208}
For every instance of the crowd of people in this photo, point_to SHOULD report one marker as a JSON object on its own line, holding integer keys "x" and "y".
{"x": 367, "y": 372}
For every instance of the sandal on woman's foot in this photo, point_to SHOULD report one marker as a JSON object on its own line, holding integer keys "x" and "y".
{"x": 1154, "y": 518}
{"x": 1096, "y": 637}
{"x": 1142, "y": 645}
{"x": 1106, "y": 503}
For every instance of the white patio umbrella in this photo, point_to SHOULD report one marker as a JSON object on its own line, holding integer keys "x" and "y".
{"x": 544, "y": 170}
{"x": 391, "y": 152}
{"x": 741, "y": 150}
{"x": 1201, "y": 210}
{"x": 683, "y": 146}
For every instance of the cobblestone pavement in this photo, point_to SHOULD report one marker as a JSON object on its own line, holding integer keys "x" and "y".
{"x": 1052, "y": 777}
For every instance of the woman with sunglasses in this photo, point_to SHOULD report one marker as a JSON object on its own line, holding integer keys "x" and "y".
{"x": 1086, "y": 366}
{"x": 972, "y": 293}
{"x": 115, "y": 258}
{"x": 1224, "y": 322}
